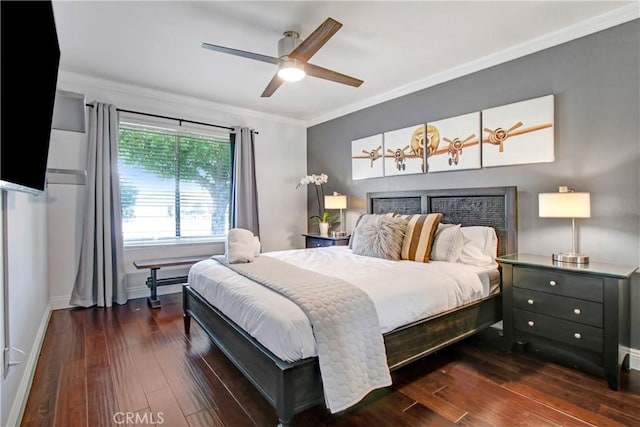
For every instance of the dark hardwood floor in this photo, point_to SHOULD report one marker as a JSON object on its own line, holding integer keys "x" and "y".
{"x": 130, "y": 365}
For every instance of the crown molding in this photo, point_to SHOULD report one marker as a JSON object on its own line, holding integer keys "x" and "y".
{"x": 593, "y": 25}
{"x": 84, "y": 83}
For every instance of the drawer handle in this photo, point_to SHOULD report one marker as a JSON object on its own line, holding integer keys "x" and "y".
{"x": 530, "y": 323}
{"x": 317, "y": 245}
{"x": 577, "y": 335}
{"x": 552, "y": 282}
{"x": 577, "y": 311}
{"x": 530, "y": 301}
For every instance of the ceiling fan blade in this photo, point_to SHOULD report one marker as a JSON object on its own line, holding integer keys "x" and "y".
{"x": 242, "y": 53}
{"x": 316, "y": 40}
{"x": 334, "y": 76}
{"x": 274, "y": 84}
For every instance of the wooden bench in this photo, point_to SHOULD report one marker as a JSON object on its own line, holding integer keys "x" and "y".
{"x": 156, "y": 264}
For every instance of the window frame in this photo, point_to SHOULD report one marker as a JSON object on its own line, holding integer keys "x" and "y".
{"x": 183, "y": 128}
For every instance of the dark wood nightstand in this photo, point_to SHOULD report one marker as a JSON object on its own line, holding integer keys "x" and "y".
{"x": 575, "y": 315}
{"x": 317, "y": 241}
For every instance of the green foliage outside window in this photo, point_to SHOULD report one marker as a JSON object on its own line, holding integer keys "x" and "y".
{"x": 128, "y": 195}
{"x": 181, "y": 158}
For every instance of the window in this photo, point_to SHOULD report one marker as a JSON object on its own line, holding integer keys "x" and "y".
{"x": 174, "y": 185}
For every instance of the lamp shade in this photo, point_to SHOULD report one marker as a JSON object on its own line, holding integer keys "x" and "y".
{"x": 564, "y": 205}
{"x": 335, "y": 202}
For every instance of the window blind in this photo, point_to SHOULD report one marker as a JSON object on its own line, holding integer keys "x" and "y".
{"x": 175, "y": 185}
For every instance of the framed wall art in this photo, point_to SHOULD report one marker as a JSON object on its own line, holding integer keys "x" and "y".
{"x": 404, "y": 151}
{"x": 454, "y": 143}
{"x": 518, "y": 133}
{"x": 366, "y": 157}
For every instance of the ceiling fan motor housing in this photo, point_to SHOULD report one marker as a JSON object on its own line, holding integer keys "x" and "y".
{"x": 288, "y": 42}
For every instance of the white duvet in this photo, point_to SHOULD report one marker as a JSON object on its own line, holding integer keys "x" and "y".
{"x": 402, "y": 292}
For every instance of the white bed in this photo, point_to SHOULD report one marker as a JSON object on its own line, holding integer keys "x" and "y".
{"x": 402, "y": 292}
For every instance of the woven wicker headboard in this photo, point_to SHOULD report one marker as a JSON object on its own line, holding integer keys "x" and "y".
{"x": 489, "y": 206}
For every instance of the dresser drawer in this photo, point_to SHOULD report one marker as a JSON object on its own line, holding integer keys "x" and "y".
{"x": 314, "y": 242}
{"x": 564, "y": 331}
{"x": 559, "y": 283}
{"x": 318, "y": 242}
{"x": 574, "y": 309}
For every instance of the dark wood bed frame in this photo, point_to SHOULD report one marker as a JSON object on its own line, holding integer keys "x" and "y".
{"x": 294, "y": 387}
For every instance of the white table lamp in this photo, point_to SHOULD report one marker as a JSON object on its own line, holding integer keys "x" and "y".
{"x": 566, "y": 204}
{"x": 336, "y": 201}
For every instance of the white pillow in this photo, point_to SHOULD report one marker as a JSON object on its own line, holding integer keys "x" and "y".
{"x": 447, "y": 244}
{"x": 480, "y": 246}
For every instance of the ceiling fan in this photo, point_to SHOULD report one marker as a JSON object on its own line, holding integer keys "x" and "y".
{"x": 293, "y": 54}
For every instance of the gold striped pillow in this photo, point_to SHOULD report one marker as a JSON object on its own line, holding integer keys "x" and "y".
{"x": 418, "y": 239}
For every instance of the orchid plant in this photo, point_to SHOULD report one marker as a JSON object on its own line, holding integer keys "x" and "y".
{"x": 319, "y": 181}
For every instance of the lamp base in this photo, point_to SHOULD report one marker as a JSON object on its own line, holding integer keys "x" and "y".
{"x": 571, "y": 258}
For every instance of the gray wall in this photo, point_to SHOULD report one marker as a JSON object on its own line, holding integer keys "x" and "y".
{"x": 595, "y": 80}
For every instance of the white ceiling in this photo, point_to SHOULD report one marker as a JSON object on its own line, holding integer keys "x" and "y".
{"x": 395, "y": 47}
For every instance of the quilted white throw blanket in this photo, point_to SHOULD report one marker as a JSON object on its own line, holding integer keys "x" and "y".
{"x": 345, "y": 325}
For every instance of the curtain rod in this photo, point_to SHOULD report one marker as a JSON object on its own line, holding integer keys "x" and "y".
{"x": 180, "y": 121}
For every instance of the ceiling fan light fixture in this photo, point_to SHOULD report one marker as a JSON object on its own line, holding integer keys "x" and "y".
{"x": 291, "y": 70}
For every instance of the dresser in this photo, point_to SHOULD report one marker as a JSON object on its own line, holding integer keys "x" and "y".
{"x": 575, "y": 315}
{"x": 317, "y": 241}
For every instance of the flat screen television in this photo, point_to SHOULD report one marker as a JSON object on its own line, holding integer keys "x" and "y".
{"x": 30, "y": 56}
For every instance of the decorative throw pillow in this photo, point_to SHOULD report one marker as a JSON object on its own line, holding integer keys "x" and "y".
{"x": 361, "y": 218}
{"x": 240, "y": 246}
{"x": 447, "y": 243}
{"x": 380, "y": 236}
{"x": 418, "y": 239}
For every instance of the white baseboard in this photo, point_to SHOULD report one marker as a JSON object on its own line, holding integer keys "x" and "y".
{"x": 62, "y": 302}
{"x": 634, "y": 361}
{"x": 58, "y": 303}
{"x": 20, "y": 401}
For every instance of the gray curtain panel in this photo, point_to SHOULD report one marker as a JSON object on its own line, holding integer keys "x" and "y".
{"x": 244, "y": 194}
{"x": 101, "y": 279}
